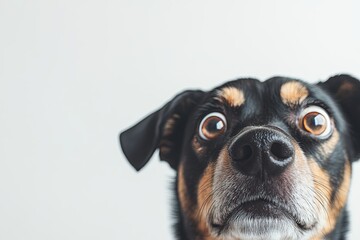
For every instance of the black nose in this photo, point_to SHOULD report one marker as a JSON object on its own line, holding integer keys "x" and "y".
{"x": 261, "y": 151}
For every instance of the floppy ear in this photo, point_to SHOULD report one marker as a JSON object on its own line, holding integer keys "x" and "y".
{"x": 163, "y": 129}
{"x": 345, "y": 90}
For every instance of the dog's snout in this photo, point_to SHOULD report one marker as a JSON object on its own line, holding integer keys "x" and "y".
{"x": 261, "y": 151}
{"x": 281, "y": 150}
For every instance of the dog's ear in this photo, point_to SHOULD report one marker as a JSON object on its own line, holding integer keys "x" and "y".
{"x": 163, "y": 129}
{"x": 345, "y": 90}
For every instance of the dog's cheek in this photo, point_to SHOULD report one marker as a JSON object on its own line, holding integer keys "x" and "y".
{"x": 328, "y": 147}
{"x": 324, "y": 191}
{"x": 340, "y": 199}
{"x": 205, "y": 200}
{"x": 185, "y": 202}
{"x": 197, "y": 213}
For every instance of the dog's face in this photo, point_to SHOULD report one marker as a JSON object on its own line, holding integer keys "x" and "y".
{"x": 257, "y": 160}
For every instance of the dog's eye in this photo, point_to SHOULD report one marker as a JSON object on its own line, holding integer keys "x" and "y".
{"x": 212, "y": 126}
{"x": 315, "y": 121}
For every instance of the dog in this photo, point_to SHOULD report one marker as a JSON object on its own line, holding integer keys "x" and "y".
{"x": 257, "y": 160}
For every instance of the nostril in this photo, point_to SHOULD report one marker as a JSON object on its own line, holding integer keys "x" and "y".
{"x": 243, "y": 153}
{"x": 281, "y": 150}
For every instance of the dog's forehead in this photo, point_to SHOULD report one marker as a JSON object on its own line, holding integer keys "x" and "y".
{"x": 237, "y": 93}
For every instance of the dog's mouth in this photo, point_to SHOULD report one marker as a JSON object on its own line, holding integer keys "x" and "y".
{"x": 260, "y": 210}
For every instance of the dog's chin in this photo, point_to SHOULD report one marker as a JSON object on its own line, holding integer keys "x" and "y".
{"x": 260, "y": 219}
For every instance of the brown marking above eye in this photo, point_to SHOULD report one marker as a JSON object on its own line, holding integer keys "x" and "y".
{"x": 232, "y": 96}
{"x": 293, "y": 92}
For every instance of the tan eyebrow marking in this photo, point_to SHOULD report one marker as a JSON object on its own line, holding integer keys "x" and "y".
{"x": 232, "y": 95}
{"x": 293, "y": 93}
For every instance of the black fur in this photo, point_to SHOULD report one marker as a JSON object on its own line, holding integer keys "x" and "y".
{"x": 339, "y": 96}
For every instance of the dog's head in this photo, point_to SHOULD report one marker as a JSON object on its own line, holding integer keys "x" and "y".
{"x": 257, "y": 160}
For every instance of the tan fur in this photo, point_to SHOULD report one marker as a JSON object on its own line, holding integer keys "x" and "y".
{"x": 321, "y": 180}
{"x": 232, "y": 96}
{"x": 185, "y": 203}
{"x": 329, "y": 146}
{"x": 225, "y": 160}
{"x": 300, "y": 159}
{"x": 323, "y": 191}
{"x": 197, "y": 212}
{"x": 204, "y": 198}
{"x": 293, "y": 92}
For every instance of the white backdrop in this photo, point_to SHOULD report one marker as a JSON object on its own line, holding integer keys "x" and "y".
{"x": 74, "y": 73}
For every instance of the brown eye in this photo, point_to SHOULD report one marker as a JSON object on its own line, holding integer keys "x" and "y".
{"x": 316, "y": 121}
{"x": 212, "y": 126}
